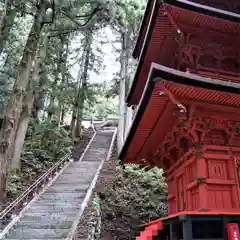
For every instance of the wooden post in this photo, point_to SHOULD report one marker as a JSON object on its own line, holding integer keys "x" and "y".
{"x": 173, "y": 231}
{"x": 202, "y": 175}
{"x": 187, "y": 228}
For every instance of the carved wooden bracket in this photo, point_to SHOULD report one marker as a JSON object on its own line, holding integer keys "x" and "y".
{"x": 232, "y": 129}
{"x": 208, "y": 58}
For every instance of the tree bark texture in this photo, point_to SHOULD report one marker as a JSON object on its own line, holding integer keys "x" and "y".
{"x": 52, "y": 108}
{"x": 75, "y": 103}
{"x": 63, "y": 57}
{"x": 124, "y": 120}
{"x": 6, "y": 23}
{"x": 11, "y": 120}
{"x": 24, "y": 121}
{"x": 62, "y": 116}
{"x": 122, "y": 92}
{"x": 81, "y": 96}
{"x": 39, "y": 94}
{"x": 40, "y": 91}
{"x": 28, "y": 103}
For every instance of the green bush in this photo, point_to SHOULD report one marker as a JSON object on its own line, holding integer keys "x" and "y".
{"x": 45, "y": 144}
{"x": 135, "y": 197}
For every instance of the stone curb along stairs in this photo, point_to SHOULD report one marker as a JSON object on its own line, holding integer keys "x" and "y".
{"x": 55, "y": 213}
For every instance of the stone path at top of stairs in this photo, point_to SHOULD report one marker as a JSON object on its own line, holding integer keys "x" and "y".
{"x": 54, "y": 213}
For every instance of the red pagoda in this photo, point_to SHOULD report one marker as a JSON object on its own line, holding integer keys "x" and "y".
{"x": 186, "y": 94}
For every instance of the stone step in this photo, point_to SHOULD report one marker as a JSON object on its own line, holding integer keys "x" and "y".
{"x": 49, "y": 224}
{"x": 49, "y": 218}
{"x": 63, "y": 196}
{"x": 55, "y": 208}
{"x": 73, "y": 181}
{"x": 50, "y": 215}
{"x": 53, "y": 214}
{"x": 38, "y": 239}
{"x": 81, "y": 166}
{"x": 31, "y": 233}
{"x": 73, "y": 187}
{"x": 52, "y": 210}
{"x": 88, "y": 173}
{"x": 63, "y": 202}
{"x": 64, "y": 188}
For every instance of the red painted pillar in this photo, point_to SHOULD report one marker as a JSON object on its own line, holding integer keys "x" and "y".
{"x": 232, "y": 175}
{"x": 202, "y": 175}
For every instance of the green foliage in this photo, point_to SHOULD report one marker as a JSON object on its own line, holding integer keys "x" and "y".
{"x": 130, "y": 12}
{"x": 97, "y": 105}
{"x": 11, "y": 57}
{"x": 57, "y": 88}
{"x": 14, "y": 184}
{"x": 45, "y": 144}
{"x": 48, "y": 139}
{"x": 135, "y": 197}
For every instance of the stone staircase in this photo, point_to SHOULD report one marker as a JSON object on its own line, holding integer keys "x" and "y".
{"x": 56, "y": 211}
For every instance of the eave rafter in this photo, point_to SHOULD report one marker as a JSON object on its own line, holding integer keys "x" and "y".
{"x": 180, "y": 37}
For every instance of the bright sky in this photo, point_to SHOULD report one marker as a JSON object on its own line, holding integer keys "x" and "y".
{"x": 109, "y": 57}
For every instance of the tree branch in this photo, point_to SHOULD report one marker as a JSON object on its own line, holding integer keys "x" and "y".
{"x": 97, "y": 9}
{"x": 62, "y": 32}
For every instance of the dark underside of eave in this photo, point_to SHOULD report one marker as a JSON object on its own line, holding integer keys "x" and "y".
{"x": 203, "y": 9}
{"x": 139, "y": 38}
{"x": 190, "y": 6}
{"x": 161, "y": 73}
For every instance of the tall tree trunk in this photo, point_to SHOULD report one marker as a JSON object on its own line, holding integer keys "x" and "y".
{"x": 63, "y": 57}
{"x": 128, "y": 85}
{"x": 11, "y": 120}
{"x": 77, "y": 113}
{"x": 73, "y": 122}
{"x": 40, "y": 93}
{"x": 82, "y": 95}
{"x": 52, "y": 105}
{"x": 6, "y": 23}
{"x": 62, "y": 115}
{"x": 75, "y": 104}
{"x": 122, "y": 93}
{"x": 23, "y": 121}
{"x": 28, "y": 104}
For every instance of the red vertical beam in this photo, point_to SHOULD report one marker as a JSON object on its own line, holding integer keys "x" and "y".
{"x": 202, "y": 174}
{"x": 232, "y": 175}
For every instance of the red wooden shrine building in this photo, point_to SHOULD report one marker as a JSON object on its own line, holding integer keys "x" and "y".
{"x": 186, "y": 95}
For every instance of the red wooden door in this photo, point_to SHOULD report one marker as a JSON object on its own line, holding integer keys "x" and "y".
{"x": 181, "y": 193}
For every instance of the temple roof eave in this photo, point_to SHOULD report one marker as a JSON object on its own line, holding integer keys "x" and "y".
{"x": 187, "y": 5}
{"x": 160, "y": 73}
{"x": 211, "y": 11}
{"x": 230, "y": 16}
{"x": 137, "y": 48}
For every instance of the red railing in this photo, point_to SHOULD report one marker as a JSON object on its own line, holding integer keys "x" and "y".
{"x": 18, "y": 204}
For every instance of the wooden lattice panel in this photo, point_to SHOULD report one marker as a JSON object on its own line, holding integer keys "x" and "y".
{"x": 207, "y": 181}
